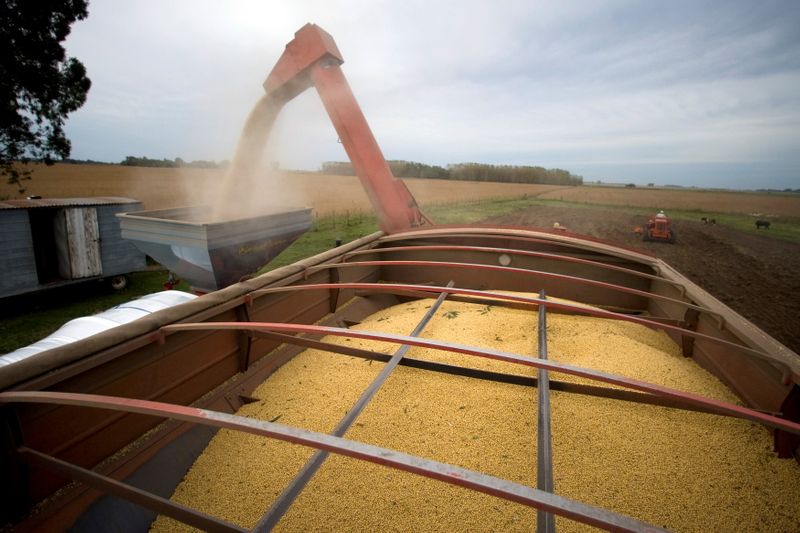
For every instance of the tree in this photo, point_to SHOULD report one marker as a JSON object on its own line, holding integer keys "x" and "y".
{"x": 39, "y": 84}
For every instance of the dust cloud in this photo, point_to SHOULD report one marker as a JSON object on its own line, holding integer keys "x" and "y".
{"x": 251, "y": 186}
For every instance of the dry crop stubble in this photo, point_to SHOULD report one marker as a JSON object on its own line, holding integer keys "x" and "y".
{"x": 161, "y": 188}
{"x": 699, "y": 200}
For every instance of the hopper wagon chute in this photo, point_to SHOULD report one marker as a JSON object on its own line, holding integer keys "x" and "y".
{"x": 423, "y": 377}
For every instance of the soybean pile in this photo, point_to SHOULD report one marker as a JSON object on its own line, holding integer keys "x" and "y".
{"x": 681, "y": 470}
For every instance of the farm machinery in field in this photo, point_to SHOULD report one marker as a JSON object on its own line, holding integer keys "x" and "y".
{"x": 658, "y": 228}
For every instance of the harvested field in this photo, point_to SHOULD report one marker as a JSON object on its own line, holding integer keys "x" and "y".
{"x": 766, "y": 205}
{"x": 753, "y": 274}
{"x": 684, "y": 471}
{"x": 161, "y": 188}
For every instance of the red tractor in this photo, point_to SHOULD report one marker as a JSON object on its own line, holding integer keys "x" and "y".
{"x": 658, "y": 228}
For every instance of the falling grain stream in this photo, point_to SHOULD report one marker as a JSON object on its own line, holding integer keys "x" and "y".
{"x": 245, "y": 187}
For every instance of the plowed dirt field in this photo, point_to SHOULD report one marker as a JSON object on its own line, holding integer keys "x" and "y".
{"x": 755, "y": 275}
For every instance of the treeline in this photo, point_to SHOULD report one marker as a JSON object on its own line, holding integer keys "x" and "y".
{"x": 467, "y": 172}
{"x": 512, "y": 174}
{"x": 403, "y": 169}
{"x": 70, "y": 161}
{"x": 131, "y": 161}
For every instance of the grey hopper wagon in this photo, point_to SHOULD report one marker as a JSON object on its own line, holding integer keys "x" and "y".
{"x": 209, "y": 254}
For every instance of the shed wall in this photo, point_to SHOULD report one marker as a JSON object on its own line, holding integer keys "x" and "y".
{"x": 17, "y": 262}
{"x": 18, "y": 259}
{"x": 118, "y": 255}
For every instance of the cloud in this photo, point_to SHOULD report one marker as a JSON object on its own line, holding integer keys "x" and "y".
{"x": 568, "y": 84}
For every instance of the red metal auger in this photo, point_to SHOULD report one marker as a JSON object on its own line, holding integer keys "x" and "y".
{"x": 312, "y": 59}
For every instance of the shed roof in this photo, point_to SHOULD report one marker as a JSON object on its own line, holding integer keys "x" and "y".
{"x": 36, "y": 203}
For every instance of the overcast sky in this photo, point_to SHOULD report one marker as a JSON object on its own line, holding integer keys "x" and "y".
{"x": 688, "y": 93}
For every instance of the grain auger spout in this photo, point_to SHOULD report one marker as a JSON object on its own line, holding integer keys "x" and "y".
{"x": 312, "y": 59}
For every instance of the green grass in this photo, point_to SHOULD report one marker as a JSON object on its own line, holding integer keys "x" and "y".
{"x": 347, "y": 227}
{"x": 782, "y": 228}
{"x": 471, "y": 212}
{"x": 324, "y": 233}
{"x": 35, "y": 316}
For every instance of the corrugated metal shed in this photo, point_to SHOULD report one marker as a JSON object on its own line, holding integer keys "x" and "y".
{"x": 49, "y": 242}
{"x": 33, "y": 203}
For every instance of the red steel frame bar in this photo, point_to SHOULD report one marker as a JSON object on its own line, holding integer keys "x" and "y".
{"x": 510, "y": 251}
{"x": 138, "y": 496}
{"x": 460, "y": 233}
{"x": 509, "y": 305}
{"x": 451, "y": 474}
{"x": 545, "y": 522}
{"x": 290, "y": 493}
{"x": 514, "y": 379}
{"x": 792, "y": 365}
{"x": 511, "y": 270}
{"x": 312, "y": 58}
{"x": 595, "y": 375}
